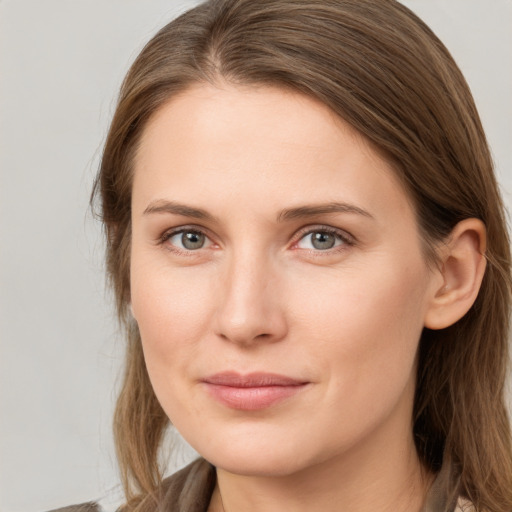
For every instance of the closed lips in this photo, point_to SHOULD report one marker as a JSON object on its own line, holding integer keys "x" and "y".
{"x": 252, "y": 392}
{"x": 233, "y": 379}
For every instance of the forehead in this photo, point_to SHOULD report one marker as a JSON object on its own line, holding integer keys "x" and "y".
{"x": 266, "y": 143}
{"x": 254, "y": 113}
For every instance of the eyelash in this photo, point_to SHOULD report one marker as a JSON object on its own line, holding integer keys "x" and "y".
{"x": 183, "y": 229}
{"x": 346, "y": 239}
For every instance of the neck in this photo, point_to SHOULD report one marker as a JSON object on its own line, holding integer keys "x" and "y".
{"x": 358, "y": 491}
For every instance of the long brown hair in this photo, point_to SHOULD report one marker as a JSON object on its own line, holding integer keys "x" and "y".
{"x": 381, "y": 69}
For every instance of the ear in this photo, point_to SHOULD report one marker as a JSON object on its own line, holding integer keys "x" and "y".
{"x": 462, "y": 268}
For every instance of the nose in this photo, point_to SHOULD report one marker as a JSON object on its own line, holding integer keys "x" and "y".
{"x": 250, "y": 310}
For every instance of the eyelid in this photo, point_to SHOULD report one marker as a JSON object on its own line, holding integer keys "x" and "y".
{"x": 169, "y": 233}
{"x": 345, "y": 236}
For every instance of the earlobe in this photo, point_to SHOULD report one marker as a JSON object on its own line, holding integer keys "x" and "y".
{"x": 462, "y": 268}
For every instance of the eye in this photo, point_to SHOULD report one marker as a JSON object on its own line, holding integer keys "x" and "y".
{"x": 187, "y": 240}
{"x": 322, "y": 240}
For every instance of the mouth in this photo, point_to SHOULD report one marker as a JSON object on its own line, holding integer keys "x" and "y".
{"x": 253, "y": 391}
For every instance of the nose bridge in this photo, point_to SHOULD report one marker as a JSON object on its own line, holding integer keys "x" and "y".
{"x": 249, "y": 308}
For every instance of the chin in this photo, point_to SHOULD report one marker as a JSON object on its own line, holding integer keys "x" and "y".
{"x": 264, "y": 456}
{"x": 261, "y": 464}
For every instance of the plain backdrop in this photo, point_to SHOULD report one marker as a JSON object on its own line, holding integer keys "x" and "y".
{"x": 61, "y": 63}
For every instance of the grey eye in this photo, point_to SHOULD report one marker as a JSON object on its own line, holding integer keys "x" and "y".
{"x": 192, "y": 240}
{"x": 320, "y": 240}
{"x": 188, "y": 240}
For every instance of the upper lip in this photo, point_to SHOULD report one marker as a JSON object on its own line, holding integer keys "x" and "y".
{"x": 251, "y": 380}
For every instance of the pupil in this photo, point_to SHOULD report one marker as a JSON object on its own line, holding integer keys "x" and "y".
{"x": 192, "y": 240}
{"x": 322, "y": 240}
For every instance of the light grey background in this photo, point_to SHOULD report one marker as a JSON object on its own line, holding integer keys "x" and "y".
{"x": 61, "y": 63}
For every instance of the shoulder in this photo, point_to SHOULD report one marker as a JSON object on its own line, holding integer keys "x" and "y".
{"x": 190, "y": 489}
{"x": 83, "y": 507}
{"x": 464, "y": 505}
{"x": 442, "y": 495}
{"x": 110, "y": 502}
{"x": 187, "y": 490}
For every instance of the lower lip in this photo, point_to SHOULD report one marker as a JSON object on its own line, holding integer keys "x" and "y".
{"x": 252, "y": 398}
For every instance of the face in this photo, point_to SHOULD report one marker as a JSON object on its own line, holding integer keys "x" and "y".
{"x": 277, "y": 279}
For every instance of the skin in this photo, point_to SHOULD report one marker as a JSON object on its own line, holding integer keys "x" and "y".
{"x": 260, "y": 296}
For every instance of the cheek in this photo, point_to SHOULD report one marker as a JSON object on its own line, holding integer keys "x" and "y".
{"x": 172, "y": 310}
{"x": 362, "y": 332}
{"x": 171, "y": 307}
{"x": 365, "y": 326}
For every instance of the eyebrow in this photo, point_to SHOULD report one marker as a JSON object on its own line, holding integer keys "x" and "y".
{"x": 301, "y": 212}
{"x": 319, "y": 209}
{"x": 163, "y": 206}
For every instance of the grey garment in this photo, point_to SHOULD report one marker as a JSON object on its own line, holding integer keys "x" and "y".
{"x": 190, "y": 490}
{"x": 438, "y": 498}
{"x": 84, "y": 507}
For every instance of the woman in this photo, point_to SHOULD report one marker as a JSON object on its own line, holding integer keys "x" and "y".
{"x": 309, "y": 253}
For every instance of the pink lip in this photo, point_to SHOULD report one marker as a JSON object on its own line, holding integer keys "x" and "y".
{"x": 253, "y": 391}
